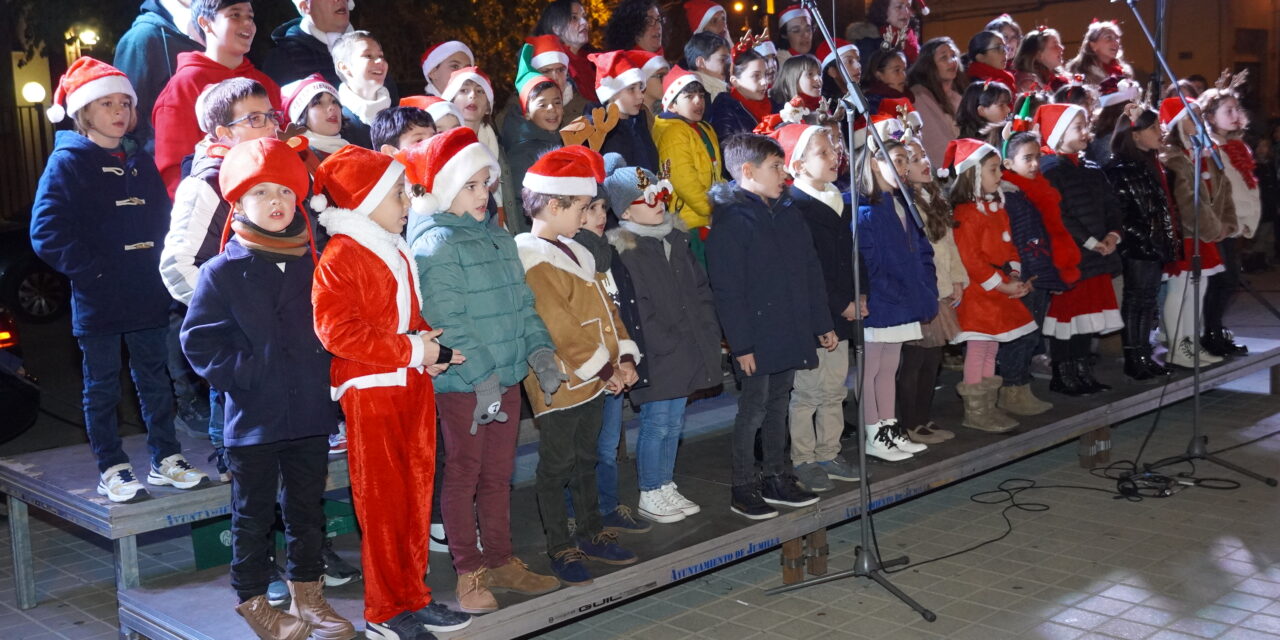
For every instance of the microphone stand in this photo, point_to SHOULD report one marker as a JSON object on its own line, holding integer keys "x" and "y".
{"x": 1197, "y": 448}
{"x": 866, "y": 563}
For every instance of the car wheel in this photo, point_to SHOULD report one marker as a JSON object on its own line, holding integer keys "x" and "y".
{"x": 42, "y": 295}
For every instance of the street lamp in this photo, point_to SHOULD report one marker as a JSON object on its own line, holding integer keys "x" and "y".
{"x": 34, "y": 92}
{"x": 89, "y": 38}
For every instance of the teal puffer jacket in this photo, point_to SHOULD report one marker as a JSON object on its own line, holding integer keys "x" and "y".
{"x": 473, "y": 288}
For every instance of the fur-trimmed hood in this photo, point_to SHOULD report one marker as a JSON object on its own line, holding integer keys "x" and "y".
{"x": 535, "y": 251}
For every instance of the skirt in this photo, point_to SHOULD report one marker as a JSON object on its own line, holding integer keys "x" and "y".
{"x": 897, "y": 333}
{"x": 1090, "y": 307}
{"x": 940, "y": 330}
{"x": 1210, "y": 259}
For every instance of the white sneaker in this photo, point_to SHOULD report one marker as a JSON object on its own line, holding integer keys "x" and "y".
{"x": 881, "y": 444}
{"x": 338, "y": 441}
{"x": 119, "y": 484}
{"x": 901, "y": 438}
{"x": 175, "y": 471}
{"x": 1184, "y": 355}
{"x": 439, "y": 543}
{"x": 655, "y": 506}
{"x": 685, "y": 505}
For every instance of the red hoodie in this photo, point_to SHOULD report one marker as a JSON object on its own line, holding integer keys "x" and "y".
{"x": 174, "y": 116}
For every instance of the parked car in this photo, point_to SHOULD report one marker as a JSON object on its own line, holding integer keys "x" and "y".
{"x": 19, "y": 391}
{"x": 28, "y": 286}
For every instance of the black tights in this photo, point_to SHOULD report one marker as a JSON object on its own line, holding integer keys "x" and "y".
{"x": 917, "y": 375}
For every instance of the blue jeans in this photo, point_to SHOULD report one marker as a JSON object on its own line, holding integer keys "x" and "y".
{"x": 148, "y": 360}
{"x": 606, "y": 456}
{"x": 661, "y": 423}
{"x": 1013, "y": 360}
{"x": 217, "y": 416}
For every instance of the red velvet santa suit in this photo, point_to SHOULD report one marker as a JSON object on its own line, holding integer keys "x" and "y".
{"x": 367, "y": 302}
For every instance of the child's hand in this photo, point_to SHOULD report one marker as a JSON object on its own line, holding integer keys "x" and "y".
{"x": 628, "y": 374}
{"x": 436, "y": 369}
{"x": 957, "y": 293}
{"x": 747, "y": 363}
{"x": 850, "y": 312}
{"x": 862, "y": 306}
{"x": 614, "y": 384}
{"x": 829, "y": 341}
{"x": 1013, "y": 288}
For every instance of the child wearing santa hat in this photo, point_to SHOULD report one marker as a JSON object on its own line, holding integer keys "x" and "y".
{"x": 621, "y": 83}
{"x": 692, "y": 148}
{"x": 478, "y": 297}
{"x": 471, "y": 91}
{"x": 705, "y": 16}
{"x": 279, "y": 416}
{"x": 1093, "y": 215}
{"x": 543, "y": 55}
{"x": 535, "y": 131}
{"x": 444, "y": 114}
{"x": 557, "y": 190}
{"x": 746, "y": 103}
{"x": 368, "y": 315}
{"x": 312, "y": 103}
{"x": 441, "y": 60}
{"x": 99, "y": 217}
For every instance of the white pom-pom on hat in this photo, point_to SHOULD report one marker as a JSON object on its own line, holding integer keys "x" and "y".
{"x": 944, "y": 173}
{"x": 56, "y": 113}
{"x": 426, "y": 204}
{"x": 318, "y": 202}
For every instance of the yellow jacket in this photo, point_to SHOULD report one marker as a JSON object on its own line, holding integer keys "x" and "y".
{"x": 693, "y": 172}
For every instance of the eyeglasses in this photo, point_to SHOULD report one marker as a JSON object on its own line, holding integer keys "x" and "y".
{"x": 650, "y": 21}
{"x": 258, "y": 119}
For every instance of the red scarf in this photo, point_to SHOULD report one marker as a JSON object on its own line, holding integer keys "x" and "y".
{"x": 1241, "y": 158}
{"x": 983, "y": 71}
{"x": 758, "y": 108}
{"x": 810, "y": 102}
{"x": 1047, "y": 200}
{"x": 1113, "y": 68}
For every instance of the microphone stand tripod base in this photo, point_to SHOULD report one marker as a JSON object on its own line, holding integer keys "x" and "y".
{"x": 865, "y": 565}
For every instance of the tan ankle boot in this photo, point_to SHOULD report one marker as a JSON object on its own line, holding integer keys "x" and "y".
{"x": 310, "y": 606}
{"x": 999, "y": 419}
{"x": 1019, "y": 401}
{"x": 270, "y": 623}
{"x": 515, "y": 576}
{"x": 473, "y": 595}
{"x": 978, "y": 409}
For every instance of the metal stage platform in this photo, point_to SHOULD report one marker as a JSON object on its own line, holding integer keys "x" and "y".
{"x": 198, "y": 605}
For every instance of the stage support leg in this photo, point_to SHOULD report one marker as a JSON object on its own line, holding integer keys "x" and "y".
{"x": 126, "y": 555}
{"x": 817, "y": 552}
{"x": 1275, "y": 380}
{"x": 24, "y": 577}
{"x": 793, "y": 561}
{"x": 1094, "y": 447}
{"x": 1085, "y": 450}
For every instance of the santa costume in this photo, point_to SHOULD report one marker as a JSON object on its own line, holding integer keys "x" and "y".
{"x": 367, "y": 303}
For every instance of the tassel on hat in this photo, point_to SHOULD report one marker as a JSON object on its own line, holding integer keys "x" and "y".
{"x": 86, "y": 80}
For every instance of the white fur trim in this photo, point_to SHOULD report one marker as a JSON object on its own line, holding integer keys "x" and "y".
{"x": 1060, "y": 127}
{"x": 397, "y": 378}
{"x": 1006, "y": 336}
{"x": 560, "y": 186}
{"x": 547, "y": 58}
{"x": 440, "y": 53}
{"x": 319, "y": 203}
{"x": 831, "y": 57}
{"x": 456, "y": 81}
{"x": 801, "y": 143}
{"x": 766, "y": 48}
{"x": 994, "y": 281}
{"x": 1105, "y": 321}
{"x": 1126, "y": 90}
{"x": 654, "y": 65}
{"x": 1004, "y": 235}
{"x": 708, "y": 16}
{"x": 791, "y": 14}
{"x": 306, "y": 95}
{"x": 388, "y": 247}
{"x": 458, "y": 169}
{"x": 534, "y": 251}
{"x": 441, "y": 109}
{"x": 677, "y": 85}
{"x": 425, "y": 204}
{"x": 975, "y": 158}
{"x": 609, "y": 87}
{"x": 629, "y": 347}
{"x": 1090, "y": 243}
{"x": 594, "y": 364}
{"x": 1015, "y": 265}
{"x": 417, "y": 350}
{"x": 389, "y": 178}
{"x": 99, "y": 88}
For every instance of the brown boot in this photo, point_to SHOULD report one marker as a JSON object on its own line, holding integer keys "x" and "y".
{"x": 977, "y": 409}
{"x": 270, "y": 623}
{"x": 515, "y": 576}
{"x": 999, "y": 419}
{"x": 310, "y": 606}
{"x": 1019, "y": 401}
{"x": 473, "y": 595}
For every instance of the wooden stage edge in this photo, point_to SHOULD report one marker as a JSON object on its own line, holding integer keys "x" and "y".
{"x": 162, "y": 610}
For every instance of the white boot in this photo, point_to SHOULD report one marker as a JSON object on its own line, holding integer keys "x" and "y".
{"x": 1183, "y": 354}
{"x": 900, "y": 437}
{"x": 685, "y": 505}
{"x": 655, "y": 506}
{"x": 880, "y": 443}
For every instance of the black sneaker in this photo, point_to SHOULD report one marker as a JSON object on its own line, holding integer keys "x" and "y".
{"x": 337, "y": 571}
{"x": 782, "y": 489}
{"x": 405, "y": 626}
{"x": 437, "y": 617}
{"x": 748, "y": 503}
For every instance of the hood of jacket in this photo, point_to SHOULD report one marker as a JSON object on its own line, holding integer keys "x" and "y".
{"x": 290, "y": 29}
{"x": 196, "y": 63}
{"x": 526, "y": 131}
{"x": 152, "y": 13}
{"x": 728, "y": 193}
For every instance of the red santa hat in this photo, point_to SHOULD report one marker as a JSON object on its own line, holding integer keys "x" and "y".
{"x": 299, "y": 94}
{"x": 1053, "y": 120}
{"x": 700, "y": 13}
{"x": 614, "y": 72}
{"x": 888, "y": 126}
{"x": 964, "y": 154}
{"x": 647, "y": 62}
{"x": 527, "y": 85}
{"x": 903, "y": 109}
{"x": 1117, "y": 90}
{"x": 675, "y": 82}
{"x": 794, "y": 139}
{"x": 791, "y": 13}
{"x": 766, "y": 48}
{"x": 86, "y": 80}
{"x": 443, "y": 164}
{"x": 547, "y": 50}
{"x": 435, "y": 106}
{"x": 464, "y": 74}
{"x": 432, "y": 58}
{"x": 826, "y": 56}
{"x": 356, "y": 179}
{"x": 264, "y": 160}
{"x": 1172, "y": 110}
{"x": 568, "y": 171}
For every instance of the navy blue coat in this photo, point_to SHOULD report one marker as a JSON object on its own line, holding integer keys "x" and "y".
{"x": 1035, "y": 250}
{"x": 897, "y": 264}
{"x": 833, "y": 240}
{"x": 298, "y": 54}
{"x": 631, "y": 139}
{"x": 728, "y": 116}
{"x": 250, "y": 333}
{"x": 101, "y": 222}
{"x": 767, "y": 282}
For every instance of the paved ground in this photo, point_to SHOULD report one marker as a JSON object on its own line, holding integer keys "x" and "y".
{"x": 1201, "y": 564}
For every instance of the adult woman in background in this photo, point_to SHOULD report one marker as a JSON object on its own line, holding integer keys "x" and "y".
{"x": 936, "y": 85}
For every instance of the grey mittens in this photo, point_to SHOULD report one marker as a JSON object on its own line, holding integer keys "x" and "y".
{"x": 543, "y": 363}
{"x": 488, "y": 403}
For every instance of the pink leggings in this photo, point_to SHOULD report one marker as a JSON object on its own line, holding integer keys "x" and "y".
{"x": 979, "y": 360}
{"x": 879, "y": 380}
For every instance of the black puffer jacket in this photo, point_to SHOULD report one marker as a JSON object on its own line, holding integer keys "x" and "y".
{"x": 1150, "y": 229}
{"x": 1089, "y": 209}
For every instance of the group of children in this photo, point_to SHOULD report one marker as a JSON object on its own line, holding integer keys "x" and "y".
{"x": 406, "y": 272}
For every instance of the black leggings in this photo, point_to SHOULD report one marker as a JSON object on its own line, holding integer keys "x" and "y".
{"x": 917, "y": 375}
{"x": 1222, "y": 286}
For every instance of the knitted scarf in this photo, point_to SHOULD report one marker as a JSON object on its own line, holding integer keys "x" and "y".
{"x": 757, "y": 108}
{"x": 1047, "y": 200}
{"x": 309, "y": 27}
{"x": 325, "y": 144}
{"x": 982, "y": 71}
{"x": 276, "y": 246}
{"x": 365, "y": 110}
{"x": 599, "y": 247}
{"x": 1241, "y": 158}
{"x": 714, "y": 86}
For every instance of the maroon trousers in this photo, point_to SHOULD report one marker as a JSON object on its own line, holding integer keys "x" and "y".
{"x": 477, "y": 480}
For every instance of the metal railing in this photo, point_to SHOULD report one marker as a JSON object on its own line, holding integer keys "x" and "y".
{"x": 26, "y": 139}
